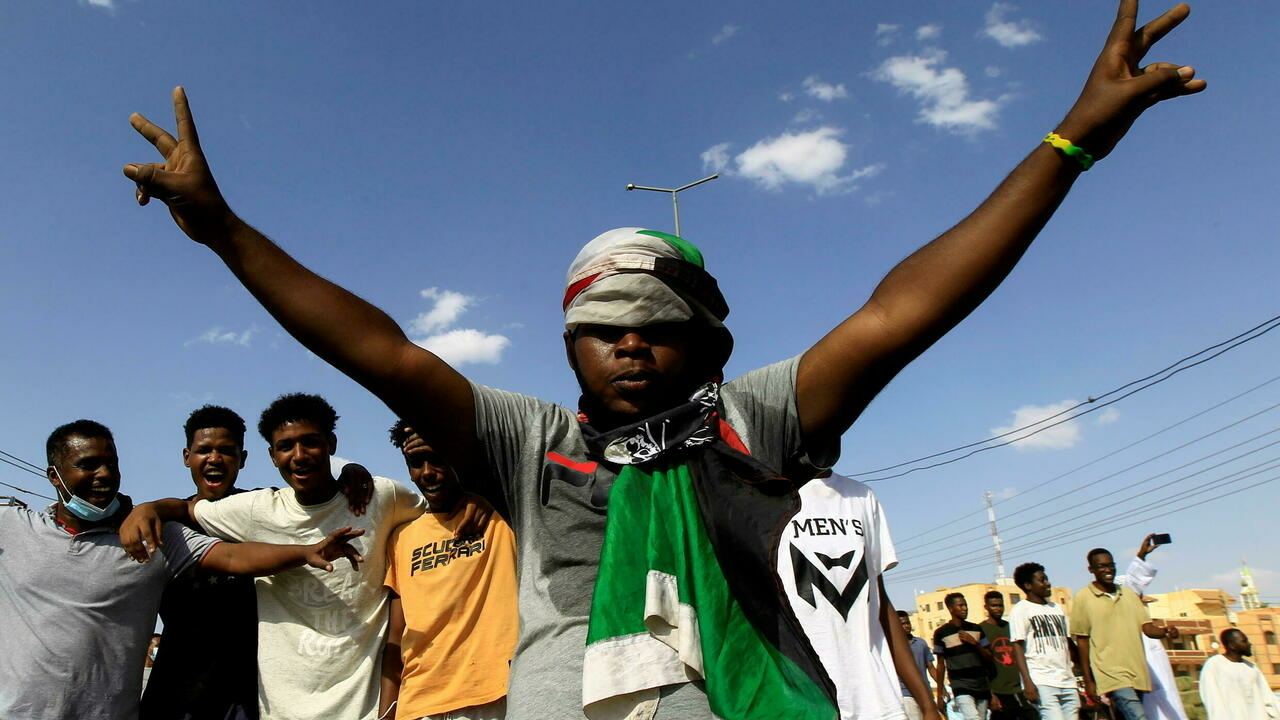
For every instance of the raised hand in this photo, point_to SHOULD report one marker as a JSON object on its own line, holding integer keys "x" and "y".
{"x": 183, "y": 181}
{"x": 1118, "y": 90}
{"x": 336, "y": 545}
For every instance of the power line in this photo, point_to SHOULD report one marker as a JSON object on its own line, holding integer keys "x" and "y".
{"x": 28, "y": 492}
{"x": 34, "y": 467}
{"x": 1134, "y": 484}
{"x": 1228, "y": 426}
{"x": 1167, "y": 373}
{"x": 1229, "y": 478}
{"x": 934, "y": 569}
{"x": 23, "y": 466}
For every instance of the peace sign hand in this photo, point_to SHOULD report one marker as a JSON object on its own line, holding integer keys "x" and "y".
{"x": 1118, "y": 90}
{"x": 183, "y": 181}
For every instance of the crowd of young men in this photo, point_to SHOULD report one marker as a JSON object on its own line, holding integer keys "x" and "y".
{"x": 699, "y": 597}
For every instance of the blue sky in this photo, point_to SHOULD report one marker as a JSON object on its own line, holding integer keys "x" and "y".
{"x": 445, "y": 161}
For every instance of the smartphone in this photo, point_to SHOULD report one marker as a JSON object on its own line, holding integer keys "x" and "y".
{"x": 1162, "y": 539}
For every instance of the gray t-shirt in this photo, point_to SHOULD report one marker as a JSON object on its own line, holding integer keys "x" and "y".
{"x": 78, "y": 614}
{"x": 558, "y": 498}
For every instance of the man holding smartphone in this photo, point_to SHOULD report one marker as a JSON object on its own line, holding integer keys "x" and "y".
{"x": 1163, "y": 702}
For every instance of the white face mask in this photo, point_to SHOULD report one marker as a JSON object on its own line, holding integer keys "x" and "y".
{"x": 84, "y": 509}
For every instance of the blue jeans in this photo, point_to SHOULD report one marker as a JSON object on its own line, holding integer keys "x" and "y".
{"x": 1058, "y": 703}
{"x": 1128, "y": 704}
{"x": 972, "y": 708}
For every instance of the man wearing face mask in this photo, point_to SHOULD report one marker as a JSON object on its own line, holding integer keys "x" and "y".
{"x": 78, "y": 612}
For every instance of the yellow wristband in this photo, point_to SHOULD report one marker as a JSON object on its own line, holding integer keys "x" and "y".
{"x": 1072, "y": 151}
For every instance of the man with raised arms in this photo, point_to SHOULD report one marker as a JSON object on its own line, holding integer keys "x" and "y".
{"x": 78, "y": 613}
{"x": 646, "y": 340}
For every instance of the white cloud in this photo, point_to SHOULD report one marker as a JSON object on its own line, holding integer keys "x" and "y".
{"x": 725, "y": 33}
{"x": 716, "y": 158}
{"x": 464, "y": 345}
{"x": 1059, "y": 437}
{"x": 109, "y": 4}
{"x": 786, "y": 96}
{"x": 992, "y": 71}
{"x": 449, "y": 306}
{"x": 1004, "y": 494}
{"x": 1107, "y": 416}
{"x": 886, "y": 33}
{"x": 813, "y": 158}
{"x": 216, "y": 335}
{"x": 943, "y": 93}
{"x": 805, "y": 115}
{"x": 457, "y": 346}
{"x": 824, "y": 91}
{"x": 929, "y": 32}
{"x": 1007, "y": 32}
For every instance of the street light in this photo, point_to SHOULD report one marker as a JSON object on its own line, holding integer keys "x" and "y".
{"x": 675, "y": 204}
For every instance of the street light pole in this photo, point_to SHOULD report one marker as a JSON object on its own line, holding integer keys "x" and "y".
{"x": 675, "y": 202}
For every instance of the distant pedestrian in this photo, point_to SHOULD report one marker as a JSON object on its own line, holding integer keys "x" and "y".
{"x": 1233, "y": 688}
{"x": 962, "y": 651}
{"x": 924, "y": 663}
{"x": 1007, "y": 702}
{"x": 1042, "y": 646}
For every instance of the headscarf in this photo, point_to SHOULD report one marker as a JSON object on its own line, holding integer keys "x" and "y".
{"x": 632, "y": 277}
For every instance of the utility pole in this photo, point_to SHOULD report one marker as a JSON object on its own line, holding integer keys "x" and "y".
{"x": 1001, "y": 577}
{"x": 675, "y": 204}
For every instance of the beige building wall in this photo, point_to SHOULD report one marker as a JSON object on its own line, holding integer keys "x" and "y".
{"x": 931, "y": 611}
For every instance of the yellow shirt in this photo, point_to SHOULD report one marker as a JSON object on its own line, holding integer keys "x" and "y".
{"x": 459, "y": 601}
{"x": 1113, "y": 624}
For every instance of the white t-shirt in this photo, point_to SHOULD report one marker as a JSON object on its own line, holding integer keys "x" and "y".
{"x": 319, "y": 634}
{"x": 830, "y": 560}
{"x": 1044, "y": 631}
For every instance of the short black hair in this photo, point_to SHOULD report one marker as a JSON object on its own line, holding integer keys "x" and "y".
{"x": 215, "y": 416}
{"x": 55, "y": 448}
{"x": 295, "y": 407}
{"x": 904, "y": 614}
{"x": 993, "y": 594}
{"x": 1228, "y": 633}
{"x": 1096, "y": 552}
{"x": 1025, "y": 573}
{"x": 952, "y": 597}
{"x": 399, "y": 433}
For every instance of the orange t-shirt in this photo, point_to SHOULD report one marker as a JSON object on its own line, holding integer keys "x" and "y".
{"x": 459, "y": 601}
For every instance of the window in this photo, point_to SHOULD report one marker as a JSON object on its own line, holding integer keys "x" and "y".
{"x": 1275, "y": 668}
{"x": 1269, "y": 637}
{"x": 1014, "y": 598}
{"x": 939, "y": 606}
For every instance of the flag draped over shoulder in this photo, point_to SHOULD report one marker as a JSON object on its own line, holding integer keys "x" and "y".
{"x": 687, "y": 587}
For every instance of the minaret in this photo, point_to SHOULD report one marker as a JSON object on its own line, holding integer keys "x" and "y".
{"x": 1248, "y": 591}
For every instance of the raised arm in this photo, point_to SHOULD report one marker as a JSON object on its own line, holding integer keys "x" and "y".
{"x": 354, "y": 336}
{"x": 935, "y": 288}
